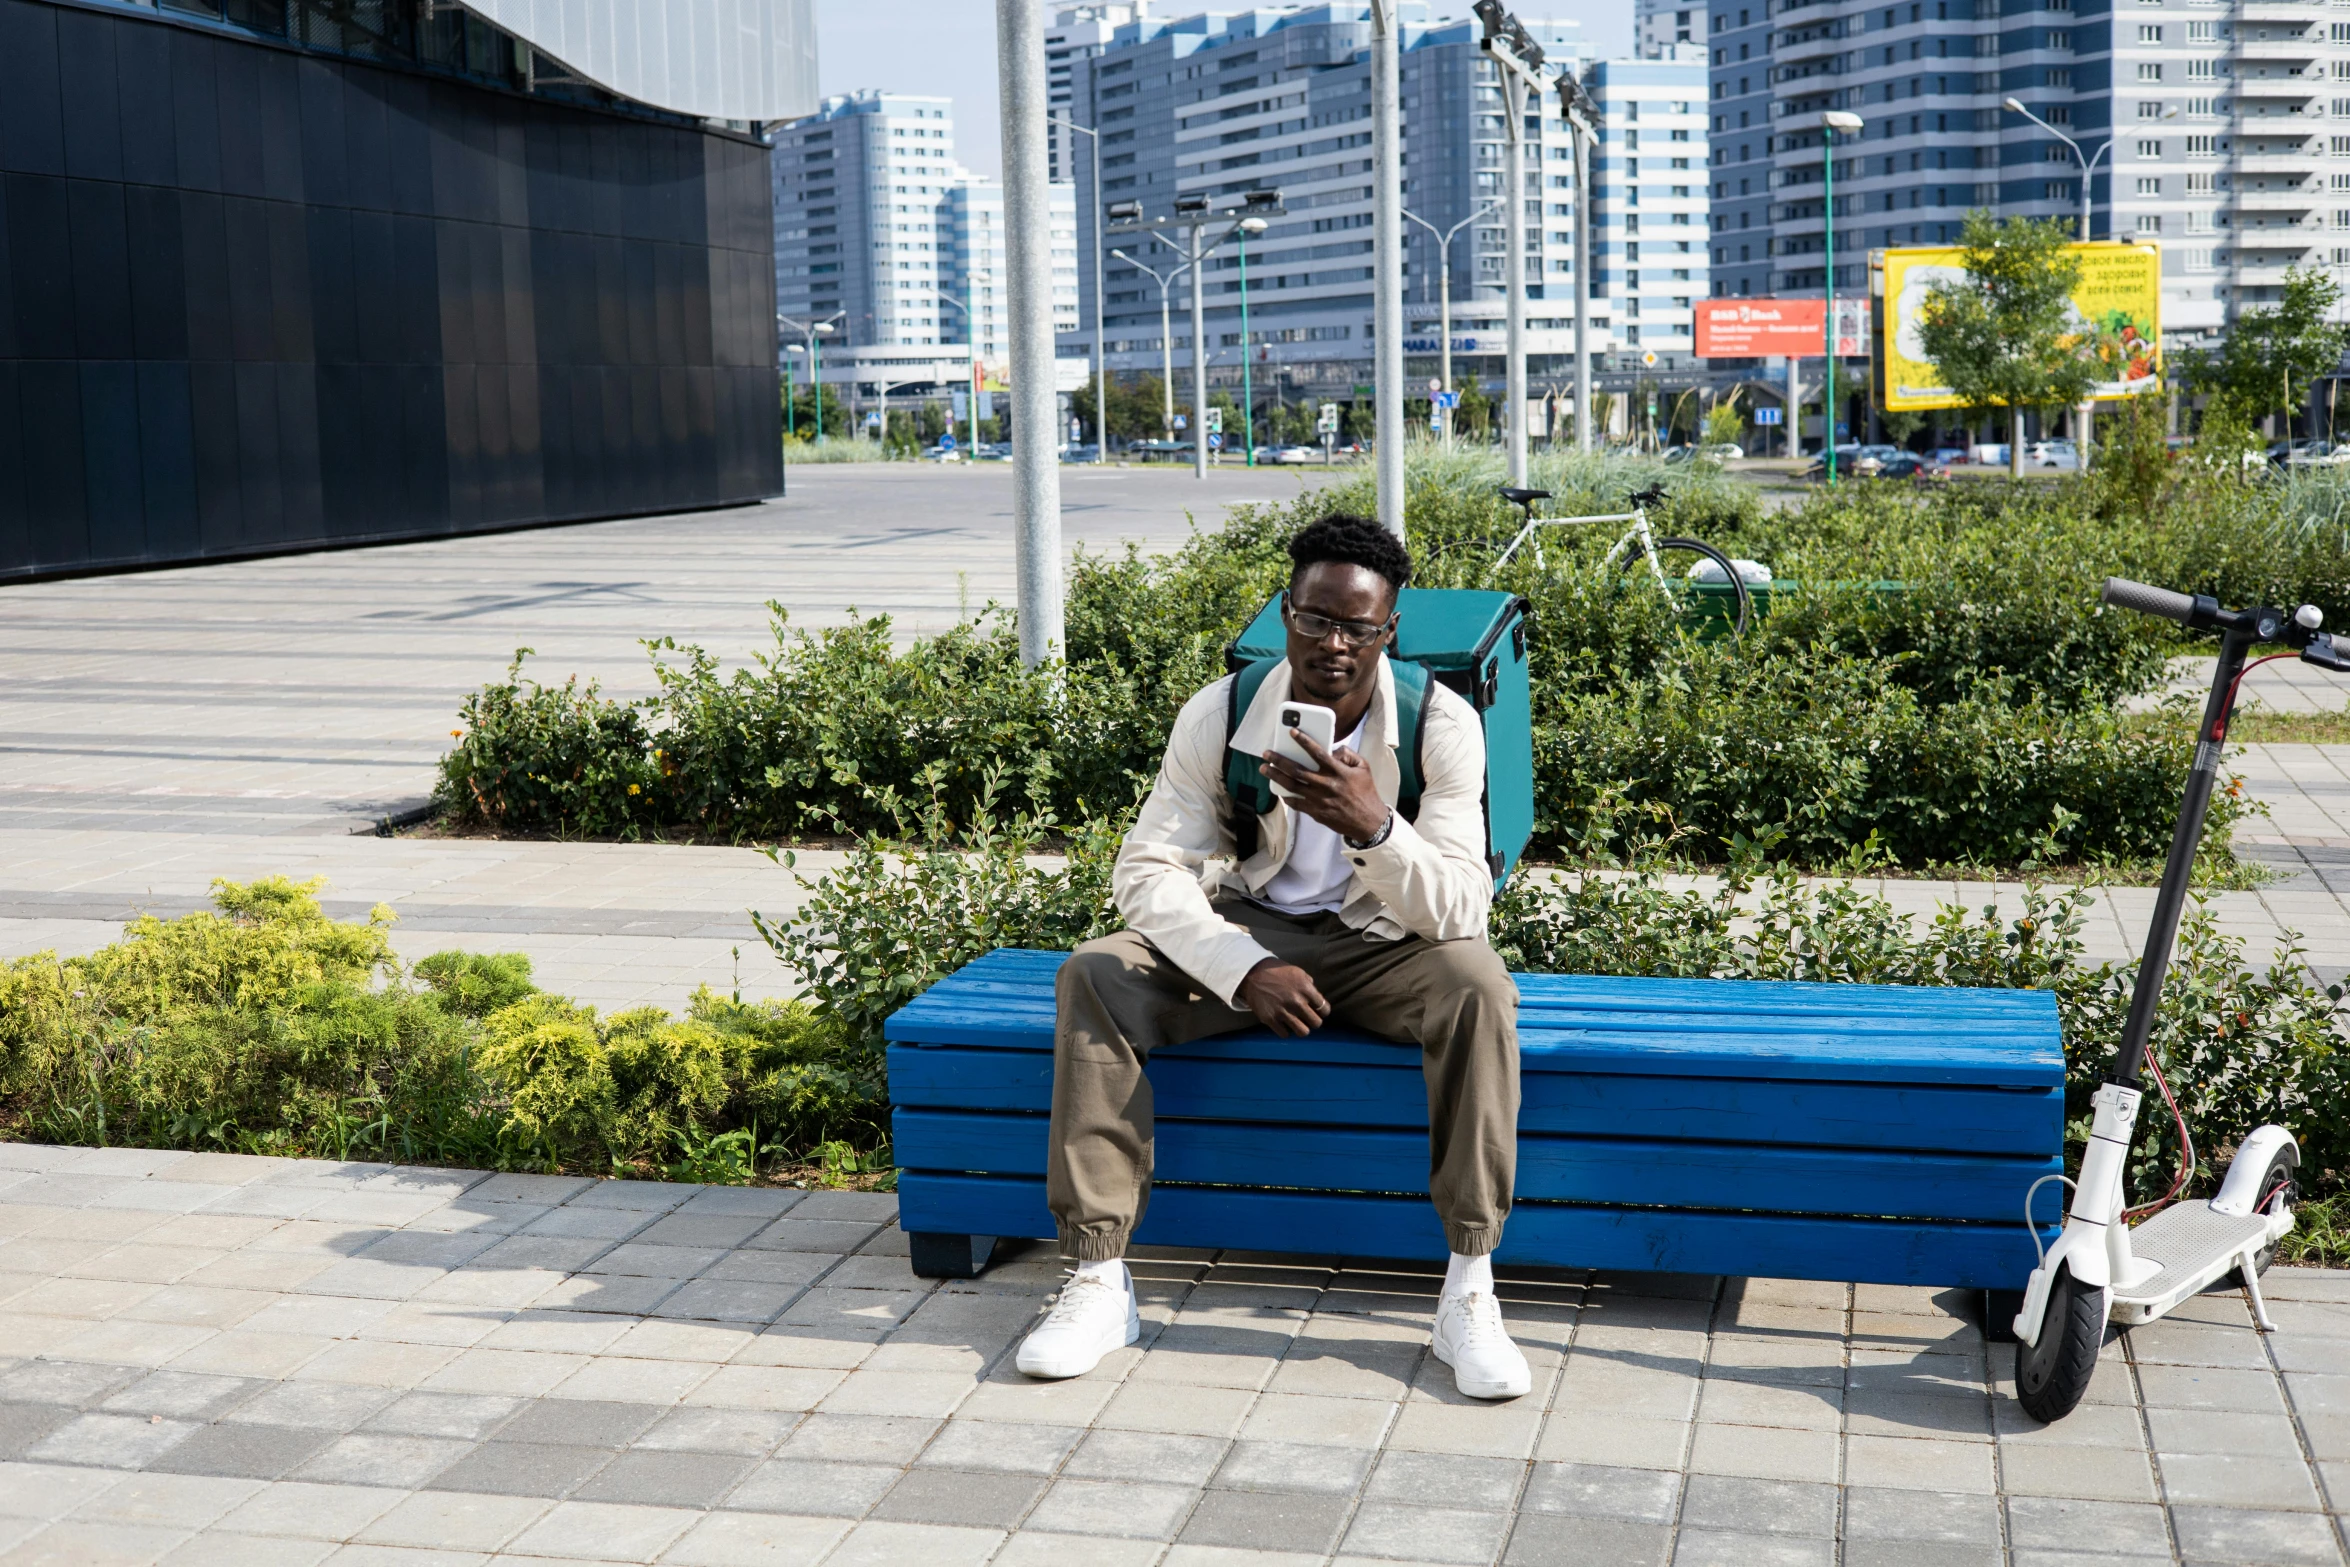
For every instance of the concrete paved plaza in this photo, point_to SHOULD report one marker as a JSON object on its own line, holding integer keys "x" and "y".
{"x": 216, "y": 1360}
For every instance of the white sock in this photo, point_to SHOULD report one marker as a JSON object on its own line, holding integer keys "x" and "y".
{"x": 1463, "y": 1274}
{"x": 1112, "y": 1272}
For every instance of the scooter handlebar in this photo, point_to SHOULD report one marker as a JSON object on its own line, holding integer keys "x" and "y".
{"x": 2125, "y": 594}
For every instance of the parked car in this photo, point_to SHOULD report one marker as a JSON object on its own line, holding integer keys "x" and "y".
{"x": 1942, "y": 456}
{"x": 2319, "y": 454}
{"x": 1909, "y": 465}
{"x": 943, "y": 454}
{"x": 1722, "y": 451}
{"x": 2059, "y": 454}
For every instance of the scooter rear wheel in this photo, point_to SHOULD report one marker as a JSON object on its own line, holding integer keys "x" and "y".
{"x": 2282, "y": 1191}
{"x": 2052, "y": 1375}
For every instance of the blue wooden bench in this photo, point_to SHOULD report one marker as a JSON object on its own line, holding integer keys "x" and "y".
{"x": 1875, "y": 1133}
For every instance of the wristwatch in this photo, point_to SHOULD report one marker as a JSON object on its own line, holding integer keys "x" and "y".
{"x": 1376, "y": 838}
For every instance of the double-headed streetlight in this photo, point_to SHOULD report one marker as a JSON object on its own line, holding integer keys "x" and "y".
{"x": 1849, "y": 123}
{"x": 970, "y": 311}
{"x": 1191, "y": 215}
{"x": 814, "y": 333}
{"x": 1520, "y": 60}
{"x": 1166, "y": 281}
{"x": 2088, "y": 162}
{"x": 1444, "y": 295}
{"x": 1101, "y": 385}
{"x": 1244, "y": 231}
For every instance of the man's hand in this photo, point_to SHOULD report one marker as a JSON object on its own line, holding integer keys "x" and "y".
{"x": 1283, "y": 997}
{"x": 1341, "y": 796}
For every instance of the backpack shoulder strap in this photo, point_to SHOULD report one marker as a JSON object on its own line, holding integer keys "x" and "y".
{"x": 1251, "y": 795}
{"x": 1411, "y": 704}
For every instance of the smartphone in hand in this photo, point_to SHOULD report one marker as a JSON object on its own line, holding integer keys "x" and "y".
{"x": 1319, "y": 722}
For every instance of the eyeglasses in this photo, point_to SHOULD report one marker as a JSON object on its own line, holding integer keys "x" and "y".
{"x": 1314, "y": 628}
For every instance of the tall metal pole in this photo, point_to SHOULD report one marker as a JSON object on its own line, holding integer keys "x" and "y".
{"x": 1386, "y": 258}
{"x": 1572, "y": 99}
{"x": 1248, "y": 394}
{"x": 1828, "y": 424}
{"x": 1513, "y": 93}
{"x": 1199, "y": 360}
{"x": 1166, "y": 282}
{"x": 1101, "y": 303}
{"x": 1444, "y": 241}
{"x": 1028, "y": 246}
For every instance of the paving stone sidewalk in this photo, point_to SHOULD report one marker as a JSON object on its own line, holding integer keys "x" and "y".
{"x": 216, "y": 1360}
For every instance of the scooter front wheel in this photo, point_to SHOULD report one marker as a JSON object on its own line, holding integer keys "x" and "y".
{"x": 2052, "y": 1375}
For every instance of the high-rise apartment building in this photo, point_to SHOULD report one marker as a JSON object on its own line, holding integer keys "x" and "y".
{"x": 1658, "y": 25}
{"x": 1078, "y": 33}
{"x": 2212, "y": 123}
{"x": 1221, "y": 104}
{"x": 880, "y": 230}
{"x": 1649, "y": 200}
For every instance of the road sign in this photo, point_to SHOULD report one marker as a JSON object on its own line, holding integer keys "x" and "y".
{"x": 1435, "y": 385}
{"x": 1768, "y": 416}
{"x": 1448, "y": 399}
{"x": 1327, "y": 421}
{"x": 946, "y": 441}
{"x": 1182, "y": 422}
{"x": 1215, "y": 440}
{"x": 1648, "y": 358}
{"x": 1436, "y": 421}
{"x": 1215, "y": 421}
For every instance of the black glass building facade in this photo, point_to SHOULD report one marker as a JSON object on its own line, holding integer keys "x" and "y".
{"x": 256, "y": 295}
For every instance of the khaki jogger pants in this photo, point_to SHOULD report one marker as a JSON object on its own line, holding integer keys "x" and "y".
{"x": 1119, "y": 1000}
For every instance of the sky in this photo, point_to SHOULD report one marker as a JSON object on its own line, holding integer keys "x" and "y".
{"x": 947, "y": 48}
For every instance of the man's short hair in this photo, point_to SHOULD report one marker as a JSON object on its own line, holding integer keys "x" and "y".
{"x": 1350, "y": 540}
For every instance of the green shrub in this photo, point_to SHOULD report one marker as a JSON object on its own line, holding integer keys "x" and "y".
{"x": 2242, "y": 1047}
{"x": 268, "y": 1028}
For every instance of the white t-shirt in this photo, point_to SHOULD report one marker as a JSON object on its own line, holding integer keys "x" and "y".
{"x": 1313, "y": 879}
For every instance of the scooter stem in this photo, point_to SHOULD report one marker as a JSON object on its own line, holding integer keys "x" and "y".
{"x": 2177, "y": 872}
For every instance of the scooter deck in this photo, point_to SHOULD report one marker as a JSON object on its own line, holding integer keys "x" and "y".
{"x": 2192, "y": 1246}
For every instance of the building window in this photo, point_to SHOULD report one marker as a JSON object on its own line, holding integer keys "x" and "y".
{"x": 2149, "y": 223}
{"x": 2149, "y": 33}
{"x": 2149, "y": 71}
{"x": 2149, "y": 186}
{"x": 2150, "y": 111}
{"x": 2150, "y": 149}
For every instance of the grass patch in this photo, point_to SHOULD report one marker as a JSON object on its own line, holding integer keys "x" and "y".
{"x": 2259, "y": 726}
{"x": 2320, "y": 1237}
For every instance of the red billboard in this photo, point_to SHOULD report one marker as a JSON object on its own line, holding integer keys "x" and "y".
{"x": 1761, "y": 328}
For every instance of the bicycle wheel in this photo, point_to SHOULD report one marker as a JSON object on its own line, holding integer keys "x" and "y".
{"x": 1698, "y": 595}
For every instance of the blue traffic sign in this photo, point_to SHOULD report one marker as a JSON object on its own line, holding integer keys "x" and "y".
{"x": 1448, "y": 399}
{"x": 1215, "y": 440}
{"x": 1768, "y": 416}
{"x": 946, "y": 442}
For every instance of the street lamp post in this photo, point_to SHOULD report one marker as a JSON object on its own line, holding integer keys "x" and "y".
{"x": 1166, "y": 281}
{"x": 1444, "y": 296}
{"x": 1582, "y": 122}
{"x": 1243, "y": 231}
{"x": 1192, "y": 214}
{"x": 1520, "y": 61}
{"x": 971, "y": 331}
{"x": 1849, "y": 123}
{"x": 791, "y": 430}
{"x": 816, "y": 332}
{"x": 2088, "y": 163}
{"x": 1387, "y": 385}
{"x": 1101, "y": 385}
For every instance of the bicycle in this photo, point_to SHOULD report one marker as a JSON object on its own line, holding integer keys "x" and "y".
{"x": 1681, "y": 598}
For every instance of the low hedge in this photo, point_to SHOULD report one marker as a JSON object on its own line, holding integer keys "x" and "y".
{"x": 1972, "y": 718}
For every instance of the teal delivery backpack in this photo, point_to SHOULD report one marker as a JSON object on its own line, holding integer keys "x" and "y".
{"x": 1473, "y": 641}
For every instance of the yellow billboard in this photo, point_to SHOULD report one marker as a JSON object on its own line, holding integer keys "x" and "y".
{"x": 2117, "y": 312}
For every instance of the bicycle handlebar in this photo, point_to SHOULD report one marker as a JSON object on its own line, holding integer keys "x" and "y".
{"x": 2125, "y": 594}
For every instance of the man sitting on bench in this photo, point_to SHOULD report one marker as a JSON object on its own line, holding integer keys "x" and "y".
{"x": 1344, "y": 911}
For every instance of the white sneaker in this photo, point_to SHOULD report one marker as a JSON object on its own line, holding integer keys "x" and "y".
{"x": 1091, "y": 1318}
{"x": 1470, "y": 1338}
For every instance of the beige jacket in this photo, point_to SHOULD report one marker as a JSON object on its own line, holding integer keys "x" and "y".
{"x": 1428, "y": 879}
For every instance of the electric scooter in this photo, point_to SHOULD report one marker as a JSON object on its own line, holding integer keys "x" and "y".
{"x": 2101, "y": 1268}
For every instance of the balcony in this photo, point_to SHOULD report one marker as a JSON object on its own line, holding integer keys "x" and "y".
{"x": 2286, "y": 47}
{"x": 1793, "y": 49}
{"x": 2287, "y": 11}
{"x": 2276, "y": 202}
{"x": 2276, "y": 81}
{"x": 2300, "y": 162}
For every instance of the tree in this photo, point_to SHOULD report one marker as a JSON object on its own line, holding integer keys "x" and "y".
{"x": 1723, "y": 424}
{"x": 2273, "y": 349}
{"x": 1902, "y": 423}
{"x": 2006, "y": 336}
